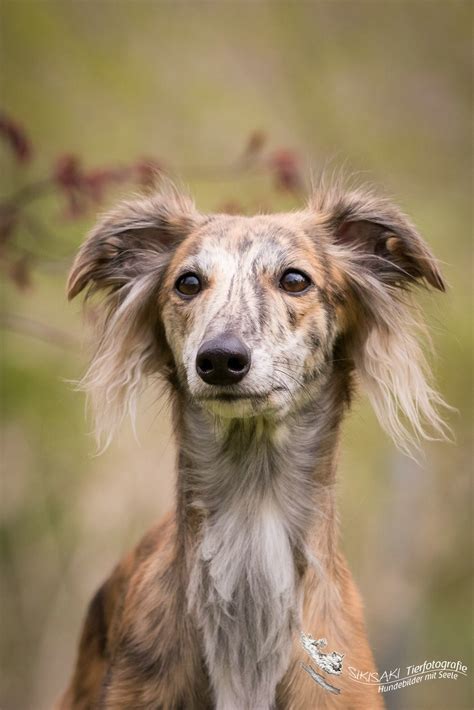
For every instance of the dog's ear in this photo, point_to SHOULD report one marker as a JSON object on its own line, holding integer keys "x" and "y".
{"x": 379, "y": 254}
{"x": 381, "y": 236}
{"x": 125, "y": 256}
{"x": 130, "y": 239}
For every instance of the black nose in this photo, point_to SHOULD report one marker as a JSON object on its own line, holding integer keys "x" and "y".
{"x": 224, "y": 360}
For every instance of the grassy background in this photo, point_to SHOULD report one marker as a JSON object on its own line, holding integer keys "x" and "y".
{"x": 382, "y": 87}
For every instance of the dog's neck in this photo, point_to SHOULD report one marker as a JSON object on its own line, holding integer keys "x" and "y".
{"x": 259, "y": 490}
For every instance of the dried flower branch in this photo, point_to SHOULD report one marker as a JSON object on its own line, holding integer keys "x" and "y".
{"x": 82, "y": 190}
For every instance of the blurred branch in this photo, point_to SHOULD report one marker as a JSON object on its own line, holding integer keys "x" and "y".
{"x": 39, "y": 331}
{"x": 43, "y": 262}
{"x": 27, "y": 194}
{"x": 37, "y": 228}
{"x": 83, "y": 190}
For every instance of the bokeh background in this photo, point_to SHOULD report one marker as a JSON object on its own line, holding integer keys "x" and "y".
{"x": 240, "y": 101}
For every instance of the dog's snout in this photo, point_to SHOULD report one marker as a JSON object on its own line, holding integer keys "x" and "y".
{"x": 224, "y": 360}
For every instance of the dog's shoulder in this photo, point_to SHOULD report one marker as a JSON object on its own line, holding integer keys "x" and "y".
{"x": 104, "y": 621}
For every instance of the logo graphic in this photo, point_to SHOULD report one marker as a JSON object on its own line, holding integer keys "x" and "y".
{"x": 403, "y": 677}
{"x": 328, "y": 662}
{"x": 387, "y": 681}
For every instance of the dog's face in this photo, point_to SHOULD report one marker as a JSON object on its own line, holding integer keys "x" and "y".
{"x": 246, "y": 311}
{"x": 243, "y": 314}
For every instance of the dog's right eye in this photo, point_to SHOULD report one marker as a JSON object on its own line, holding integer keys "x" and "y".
{"x": 188, "y": 285}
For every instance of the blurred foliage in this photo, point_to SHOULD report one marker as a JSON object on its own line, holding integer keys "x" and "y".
{"x": 240, "y": 101}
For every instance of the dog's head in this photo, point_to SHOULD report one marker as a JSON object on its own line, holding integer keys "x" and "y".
{"x": 249, "y": 315}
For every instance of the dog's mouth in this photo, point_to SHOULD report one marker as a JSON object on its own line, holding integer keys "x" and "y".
{"x": 243, "y": 404}
{"x": 239, "y": 396}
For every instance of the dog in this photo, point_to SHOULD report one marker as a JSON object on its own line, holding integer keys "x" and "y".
{"x": 260, "y": 327}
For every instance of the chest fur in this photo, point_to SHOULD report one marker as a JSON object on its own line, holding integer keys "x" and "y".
{"x": 257, "y": 497}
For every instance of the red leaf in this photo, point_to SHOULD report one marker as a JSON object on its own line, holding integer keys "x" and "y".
{"x": 69, "y": 177}
{"x": 95, "y": 182}
{"x": 16, "y": 137}
{"x": 20, "y": 273}
{"x": 286, "y": 171}
{"x": 68, "y": 172}
{"x": 255, "y": 144}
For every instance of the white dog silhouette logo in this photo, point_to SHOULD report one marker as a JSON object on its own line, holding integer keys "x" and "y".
{"x": 328, "y": 662}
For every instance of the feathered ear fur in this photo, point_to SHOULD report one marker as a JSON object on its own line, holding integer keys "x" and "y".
{"x": 381, "y": 255}
{"x": 125, "y": 257}
{"x": 130, "y": 240}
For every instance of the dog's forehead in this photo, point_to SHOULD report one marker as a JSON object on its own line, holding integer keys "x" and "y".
{"x": 265, "y": 241}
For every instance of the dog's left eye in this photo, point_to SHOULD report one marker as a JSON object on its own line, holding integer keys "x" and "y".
{"x": 294, "y": 281}
{"x": 188, "y": 284}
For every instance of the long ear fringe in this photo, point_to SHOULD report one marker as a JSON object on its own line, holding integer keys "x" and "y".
{"x": 391, "y": 364}
{"x": 342, "y": 202}
{"x": 125, "y": 356}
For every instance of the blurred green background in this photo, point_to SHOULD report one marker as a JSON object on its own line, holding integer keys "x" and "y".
{"x": 384, "y": 88}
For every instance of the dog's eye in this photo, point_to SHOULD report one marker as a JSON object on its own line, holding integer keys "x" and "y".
{"x": 294, "y": 281}
{"x": 188, "y": 284}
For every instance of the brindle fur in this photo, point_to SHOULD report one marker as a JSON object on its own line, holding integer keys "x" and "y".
{"x": 206, "y": 611}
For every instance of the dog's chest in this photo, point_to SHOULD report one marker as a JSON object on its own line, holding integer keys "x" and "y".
{"x": 257, "y": 498}
{"x": 243, "y": 593}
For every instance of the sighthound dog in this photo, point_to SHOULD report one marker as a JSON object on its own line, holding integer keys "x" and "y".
{"x": 260, "y": 327}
